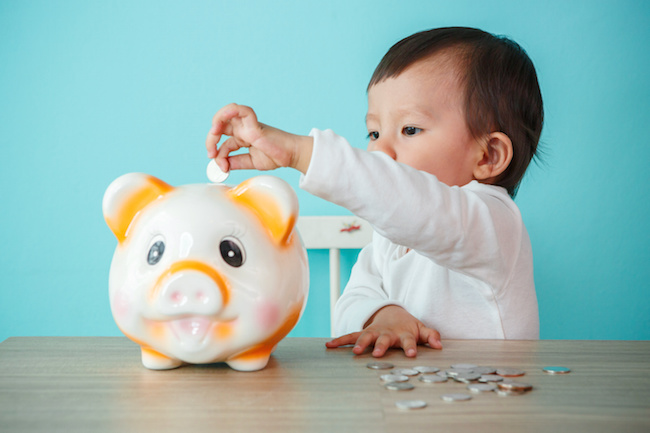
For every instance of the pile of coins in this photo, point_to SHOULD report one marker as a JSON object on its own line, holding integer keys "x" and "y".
{"x": 479, "y": 379}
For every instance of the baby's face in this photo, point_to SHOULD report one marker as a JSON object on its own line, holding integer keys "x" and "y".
{"x": 417, "y": 118}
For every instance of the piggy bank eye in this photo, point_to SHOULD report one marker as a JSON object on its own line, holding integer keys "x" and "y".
{"x": 156, "y": 252}
{"x": 232, "y": 252}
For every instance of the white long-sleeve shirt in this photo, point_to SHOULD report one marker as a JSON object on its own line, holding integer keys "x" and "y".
{"x": 457, "y": 258}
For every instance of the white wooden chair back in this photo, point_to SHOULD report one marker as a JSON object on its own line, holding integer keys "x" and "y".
{"x": 334, "y": 233}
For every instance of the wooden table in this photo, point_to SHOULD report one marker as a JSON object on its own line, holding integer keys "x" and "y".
{"x": 89, "y": 384}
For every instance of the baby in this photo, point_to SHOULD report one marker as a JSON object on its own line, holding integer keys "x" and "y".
{"x": 454, "y": 118}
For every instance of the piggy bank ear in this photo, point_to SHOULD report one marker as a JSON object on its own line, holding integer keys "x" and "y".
{"x": 272, "y": 201}
{"x": 126, "y": 196}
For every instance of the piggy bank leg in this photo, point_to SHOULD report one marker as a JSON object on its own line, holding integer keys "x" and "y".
{"x": 249, "y": 362}
{"x": 157, "y": 361}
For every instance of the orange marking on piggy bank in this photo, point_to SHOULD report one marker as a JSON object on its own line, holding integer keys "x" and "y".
{"x": 278, "y": 220}
{"x": 135, "y": 196}
{"x": 259, "y": 354}
{"x": 195, "y": 266}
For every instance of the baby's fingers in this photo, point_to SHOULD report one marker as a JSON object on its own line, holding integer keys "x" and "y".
{"x": 211, "y": 142}
{"x": 365, "y": 339}
{"x": 219, "y": 128}
{"x": 344, "y": 340}
{"x": 408, "y": 343}
{"x": 221, "y": 121}
{"x": 231, "y": 120}
{"x": 236, "y": 120}
{"x": 228, "y": 146}
{"x": 431, "y": 337}
{"x": 382, "y": 344}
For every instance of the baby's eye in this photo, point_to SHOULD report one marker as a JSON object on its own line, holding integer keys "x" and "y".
{"x": 373, "y": 135}
{"x": 411, "y": 130}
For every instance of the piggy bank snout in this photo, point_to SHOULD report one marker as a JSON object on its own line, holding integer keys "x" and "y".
{"x": 190, "y": 292}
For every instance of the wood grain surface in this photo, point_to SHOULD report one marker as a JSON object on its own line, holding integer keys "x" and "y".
{"x": 88, "y": 384}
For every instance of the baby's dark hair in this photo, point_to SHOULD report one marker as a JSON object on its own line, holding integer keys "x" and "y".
{"x": 500, "y": 83}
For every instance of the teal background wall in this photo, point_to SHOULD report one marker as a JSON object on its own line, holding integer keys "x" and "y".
{"x": 90, "y": 90}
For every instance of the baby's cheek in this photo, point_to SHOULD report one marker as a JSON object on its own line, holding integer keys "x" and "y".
{"x": 268, "y": 315}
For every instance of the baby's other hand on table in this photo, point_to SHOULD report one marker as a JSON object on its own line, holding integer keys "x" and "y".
{"x": 391, "y": 326}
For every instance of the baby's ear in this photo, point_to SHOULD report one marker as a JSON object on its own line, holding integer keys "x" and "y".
{"x": 496, "y": 157}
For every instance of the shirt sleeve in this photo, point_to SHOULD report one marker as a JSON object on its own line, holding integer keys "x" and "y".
{"x": 467, "y": 229}
{"x": 363, "y": 296}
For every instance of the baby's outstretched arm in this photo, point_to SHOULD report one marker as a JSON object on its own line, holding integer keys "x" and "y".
{"x": 392, "y": 326}
{"x": 268, "y": 147}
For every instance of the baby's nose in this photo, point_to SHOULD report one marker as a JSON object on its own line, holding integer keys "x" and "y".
{"x": 383, "y": 146}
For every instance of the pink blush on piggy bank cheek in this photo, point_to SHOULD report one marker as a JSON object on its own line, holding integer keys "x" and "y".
{"x": 268, "y": 315}
{"x": 121, "y": 305}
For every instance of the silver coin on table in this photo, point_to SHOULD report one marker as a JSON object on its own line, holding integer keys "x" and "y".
{"x": 451, "y": 372}
{"x": 399, "y": 386}
{"x": 463, "y": 366}
{"x": 510, "y": 372}
{"x": 466, "y": 377}
{"x": 456, "y": 397}
{"x": 426, "y": 369}
{"x": 432, "y": 378}
{"x": 482, "y": 369}
{"x": 378, "y": 365}
{"x": 515, "y": 386}
{"x": 485, "y": 378}
{"x": 556, "y": 370}
{"x": 478, "y": 388}
{"x": 407, "y": 371}
{"x": 394, "y": 378}
{"x": 410, "y": 404}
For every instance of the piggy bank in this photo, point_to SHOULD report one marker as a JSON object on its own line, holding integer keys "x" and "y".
{"x": 205, "y": 273}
